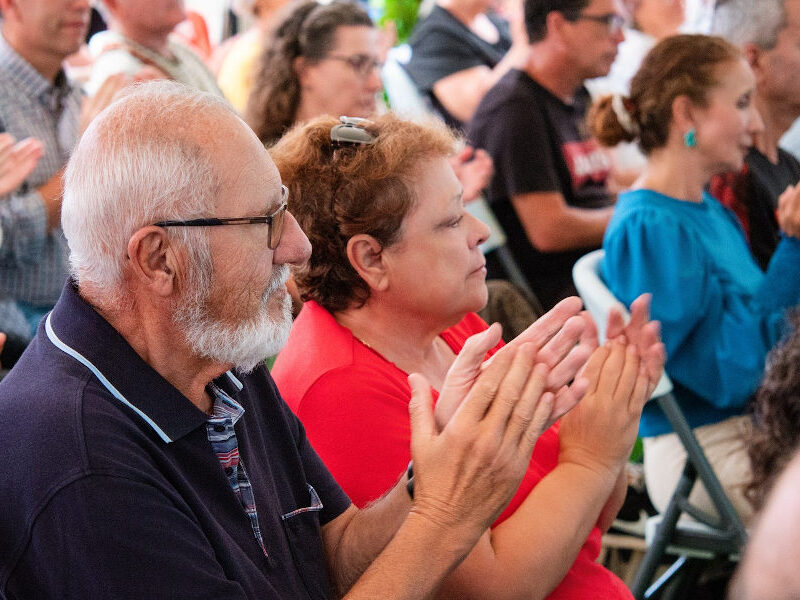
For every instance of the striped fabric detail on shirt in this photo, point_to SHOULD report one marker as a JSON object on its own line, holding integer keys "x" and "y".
{"x": 222, "y": 436}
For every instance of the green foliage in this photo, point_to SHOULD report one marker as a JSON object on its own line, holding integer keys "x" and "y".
{"x": 403, "y": 13}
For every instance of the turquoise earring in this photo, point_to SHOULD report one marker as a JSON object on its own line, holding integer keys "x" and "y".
{"x": 690, "y": 138}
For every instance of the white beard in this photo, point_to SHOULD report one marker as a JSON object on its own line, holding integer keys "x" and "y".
{"x": 244, "y": 345}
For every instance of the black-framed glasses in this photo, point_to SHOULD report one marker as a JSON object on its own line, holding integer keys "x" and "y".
{"x": 274, "y": 222}
{"x": 362, "y": 64}
{"x": 613, "y": 22}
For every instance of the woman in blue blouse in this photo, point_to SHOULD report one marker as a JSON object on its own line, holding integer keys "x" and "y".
{"x": 691, "y": 109}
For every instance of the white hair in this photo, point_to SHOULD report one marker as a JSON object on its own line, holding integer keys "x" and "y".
{"x": 244, "y": 344}
{"x": 144, "y": 159}
{"x": 749, "y": 21}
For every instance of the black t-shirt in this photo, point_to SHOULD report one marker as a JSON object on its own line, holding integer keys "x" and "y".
{"x": 753, "y": 195}
{"x": 767, "y": 183}
{"x": 442, "y": 45}
{"x": 539, "y": 144}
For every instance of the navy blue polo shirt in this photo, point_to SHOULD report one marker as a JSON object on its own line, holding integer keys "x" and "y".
{"x": 111, "y": 488}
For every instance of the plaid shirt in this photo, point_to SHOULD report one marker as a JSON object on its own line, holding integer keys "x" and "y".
{"x": 222, "y": 436}
{"x": 33, "y": 262}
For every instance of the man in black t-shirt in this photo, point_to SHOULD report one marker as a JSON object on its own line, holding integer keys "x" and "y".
{"x": 768, "y": 33}
{"x": 549, "y": 190}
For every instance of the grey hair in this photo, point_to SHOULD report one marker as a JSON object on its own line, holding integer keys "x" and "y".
{"x": 146, "y": 158}
{"x": 749, "y": 21}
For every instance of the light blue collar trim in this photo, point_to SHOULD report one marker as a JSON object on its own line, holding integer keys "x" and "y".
{"x": 106, "y": 383}
{"x": 234, "y": 380}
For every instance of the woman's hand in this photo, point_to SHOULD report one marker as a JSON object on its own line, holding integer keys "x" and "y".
{"x": 642, "y": 333}
{"x": 17, "y": 160}
{"x": 562, "y": 339}
{"x": 474, "y": 169}
{"x": 599, "y": 433}
{"x": 788, "y": 213}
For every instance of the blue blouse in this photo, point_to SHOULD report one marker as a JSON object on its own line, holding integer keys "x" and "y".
{"x": 720, "y": 313}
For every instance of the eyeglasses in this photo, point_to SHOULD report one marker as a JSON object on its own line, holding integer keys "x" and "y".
{"x": 613, "y": 22}
{"x": 274, "y": 222}
{"x": 362, "y": 64}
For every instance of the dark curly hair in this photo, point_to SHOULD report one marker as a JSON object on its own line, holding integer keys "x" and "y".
{"x": 776, "y": 431}
{"x": 308, "y": 29}
{"x": 337, "y": 192}
{"x": 681, "y": 65}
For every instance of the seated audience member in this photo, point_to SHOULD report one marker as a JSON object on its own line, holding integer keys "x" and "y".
{"x": 17, "y": 161}
{"x": 235, "y": 72}
{"x": 38, "y": 100}
{"x": 460, "y": 50}
{"x": 392, "y": 284}
{"x": 139, "y": 41}
{"x": 691, "y": 108}
{"x": 768, "y": 569}
{"x": 650, "y": 22}
{"x": 131, "y": 481}
{"x": 776, "y": 417}
{"x": 549, "y": 190}
{"x": 768, "y": 33}
{"x": 322, "y": 59}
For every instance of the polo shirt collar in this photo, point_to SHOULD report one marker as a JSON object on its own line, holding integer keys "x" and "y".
{"x": 78, "y": 330}
{"x": 32, "y": 83}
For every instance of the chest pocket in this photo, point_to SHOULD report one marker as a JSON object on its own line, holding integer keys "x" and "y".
{"x": 302, "y": 529}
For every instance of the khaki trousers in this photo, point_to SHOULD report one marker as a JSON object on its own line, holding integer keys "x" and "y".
{"x": 724, "y": 445}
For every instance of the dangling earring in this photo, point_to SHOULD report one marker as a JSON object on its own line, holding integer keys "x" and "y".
{"x": 690, "y": 138}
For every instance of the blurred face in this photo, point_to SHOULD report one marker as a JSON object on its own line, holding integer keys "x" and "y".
{"x": 55, "y": 28}
{"x": 346, "y": 81}
{"x": 236, "y": 309}
{"x": 437, "y": 269}
{"x": 778, "y": 82}
{"x": 158, "y": 17}
{"x": 592, "y": 42}
{"x": 725, "y": 128}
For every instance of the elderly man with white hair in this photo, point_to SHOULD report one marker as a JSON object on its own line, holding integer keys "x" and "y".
{"x": 138, "y": 465}
{"x": 768, "y": 32}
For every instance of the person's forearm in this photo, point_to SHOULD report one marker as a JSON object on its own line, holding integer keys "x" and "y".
{"x": 615, "y": 501}
{"x": 367, "y": 534}
{"x": 529, "y": 554}
{"x": 576, "y": 228}
{"x": 415, "y": 562}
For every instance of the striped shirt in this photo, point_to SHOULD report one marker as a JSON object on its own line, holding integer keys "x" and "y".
{"x": 33, "y": 262}
{"x": 221, "y": 434}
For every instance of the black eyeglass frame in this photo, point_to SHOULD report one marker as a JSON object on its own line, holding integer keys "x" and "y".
{"x": 268, "y": 220}
{"x": 358, "y": 62}
{"x": 614, "y": 22}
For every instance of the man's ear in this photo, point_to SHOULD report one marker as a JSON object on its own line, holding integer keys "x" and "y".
{"x": 365, "y": 254}
{"x": 152, "y": 260}
{"x": 753, "y": 54}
